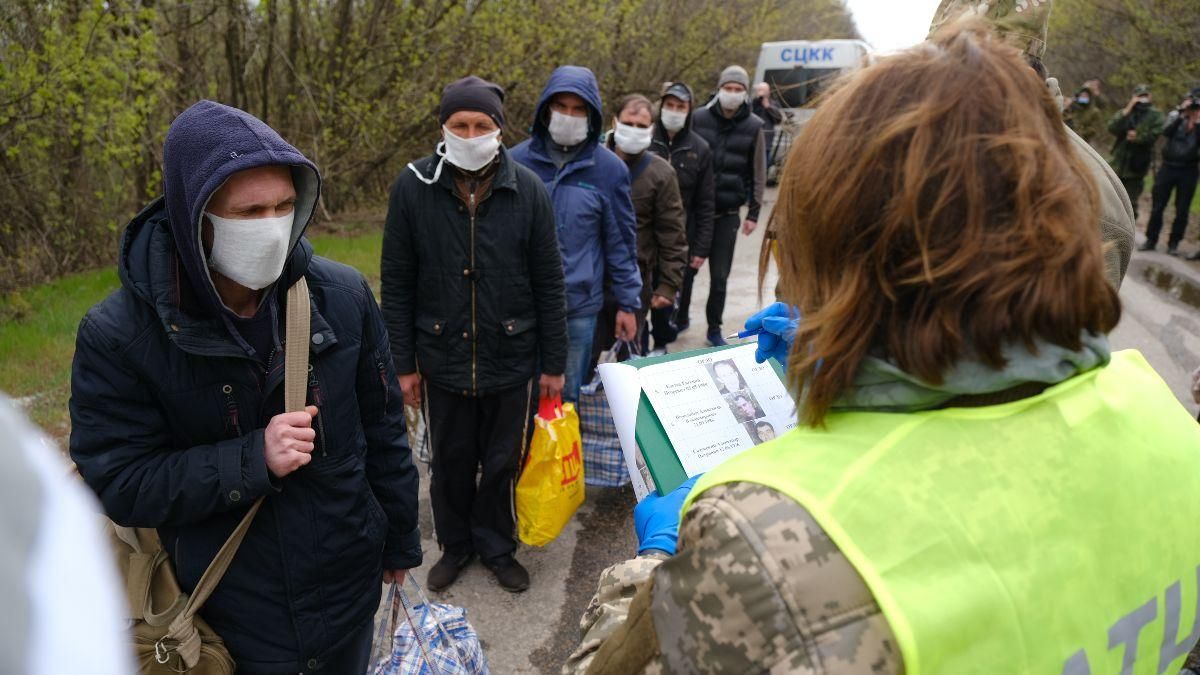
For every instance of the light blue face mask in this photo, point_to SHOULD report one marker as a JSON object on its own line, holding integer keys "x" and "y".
{"x": 1083, "y": 100}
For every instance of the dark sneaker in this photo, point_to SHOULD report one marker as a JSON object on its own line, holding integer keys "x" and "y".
{"x": 446, "y": 571}
{"x": 682, "y": 326}
{"x": 510, "y": 574}
{"x": 715, "y": 338}
{"x": 1146, "y": 247}
{"x": 1174, "y": 251}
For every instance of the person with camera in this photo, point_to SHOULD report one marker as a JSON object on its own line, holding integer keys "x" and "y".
{"x": 1136, "y": 128}
{"x": 1179, "y": 173}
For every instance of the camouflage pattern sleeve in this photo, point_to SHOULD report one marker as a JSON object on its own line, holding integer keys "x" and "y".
{"x": 608, "y": 610}
{"x": 757, "y": 586}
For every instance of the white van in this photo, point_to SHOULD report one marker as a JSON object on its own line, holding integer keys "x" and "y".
{"x": 798, "y": 71}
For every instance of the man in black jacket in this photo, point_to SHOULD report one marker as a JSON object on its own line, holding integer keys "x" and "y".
{"x": 740, "y": 174}
{"x": 1180, "y": 172}
{"x": 177, "y": 403}
{"x": 474, "y": 298}
{"x": 691, "y": 157}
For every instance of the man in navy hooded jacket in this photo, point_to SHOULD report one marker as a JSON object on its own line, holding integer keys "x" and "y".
{"x": 177, "y": 403}
{"x": 593, "y": 211}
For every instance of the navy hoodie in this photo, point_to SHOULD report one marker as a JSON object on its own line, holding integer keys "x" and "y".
{"x": 593, "y": 209}
{"x": 168, "y": 412}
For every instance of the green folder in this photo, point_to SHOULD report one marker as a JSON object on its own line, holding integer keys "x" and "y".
{"x": 651, "y": 436}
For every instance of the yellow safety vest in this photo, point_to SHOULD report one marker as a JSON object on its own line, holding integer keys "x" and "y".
{"x": 1056, "y": 535}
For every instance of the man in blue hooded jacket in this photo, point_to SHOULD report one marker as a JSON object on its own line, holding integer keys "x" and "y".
{"x": 177, "y": 403}
{"x": 593, "y": 211}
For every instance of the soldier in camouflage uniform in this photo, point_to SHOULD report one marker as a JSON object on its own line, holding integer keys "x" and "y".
{"x": 1084, "y": 117}
{"x": 757, "y": 585}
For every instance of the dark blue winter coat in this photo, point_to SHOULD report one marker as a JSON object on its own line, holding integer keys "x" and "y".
{"x": 168, "y": 409}
{"x": 593, "y": 210}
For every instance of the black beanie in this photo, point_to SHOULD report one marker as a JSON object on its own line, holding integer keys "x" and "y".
{"x": 472, "y": 93}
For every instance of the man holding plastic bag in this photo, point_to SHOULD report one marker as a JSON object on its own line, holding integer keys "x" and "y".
{"x": 474, "y": 299}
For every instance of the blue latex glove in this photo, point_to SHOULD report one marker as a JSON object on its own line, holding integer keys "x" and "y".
{"x": 656, "y": 519}
{"x": 778, "y": 323}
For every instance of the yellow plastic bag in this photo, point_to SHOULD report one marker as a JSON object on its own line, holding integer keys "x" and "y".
{"x": 551, "y": 485}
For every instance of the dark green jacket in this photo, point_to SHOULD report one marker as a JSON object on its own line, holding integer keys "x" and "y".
{"x": 1131, "y": 159}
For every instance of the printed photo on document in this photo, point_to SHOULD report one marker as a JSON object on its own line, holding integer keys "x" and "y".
{"x": 716, "y": 405}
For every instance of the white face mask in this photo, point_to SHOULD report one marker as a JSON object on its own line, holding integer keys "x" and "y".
{"x": 673, "y": 120}
{"x": 632, "y": 140}
{"x": 567, "y": 130}
{"x": 731, "y": 100}
{"x": 471, "y": 154}
{"x": 251, "y": 252}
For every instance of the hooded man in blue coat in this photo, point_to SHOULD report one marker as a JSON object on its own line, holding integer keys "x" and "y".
{"x": 593, "y": 211}
{"x": 177, "y": 403}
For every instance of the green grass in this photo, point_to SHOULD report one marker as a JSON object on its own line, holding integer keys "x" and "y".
{"x": 37, "y": 327}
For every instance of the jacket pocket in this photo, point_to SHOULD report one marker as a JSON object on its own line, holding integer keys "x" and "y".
{"x": 518, "y": 340}
{"x": 431, "y": 352}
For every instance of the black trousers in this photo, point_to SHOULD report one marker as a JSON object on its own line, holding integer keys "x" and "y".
{"x": 662, "y": 326}
{"x": 473, "y": 510}
{"x": 1182, "y": 180}
{"x": 720, "y": 262}
{"x": 685, "y": 296}
{"x": 1135, "y": 187}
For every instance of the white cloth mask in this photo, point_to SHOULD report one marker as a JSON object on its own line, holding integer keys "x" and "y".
{"x": 440, "y": 153}
{"x": 673, "y": 120}
{"x": 471, "y": 154}
{"x": 251, "y": 251}
{"x": 731, "y": 100}
{"x": 568, "y": 130}
{"x": 632, "y": 140}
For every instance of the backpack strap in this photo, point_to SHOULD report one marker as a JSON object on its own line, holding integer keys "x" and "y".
{"x": 182, "y": 635}
{"x": 640, "y": 166}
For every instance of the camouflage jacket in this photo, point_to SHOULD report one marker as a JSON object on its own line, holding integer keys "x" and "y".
{"x": 1086, "y": 120}
{"x": 756, "y": 587}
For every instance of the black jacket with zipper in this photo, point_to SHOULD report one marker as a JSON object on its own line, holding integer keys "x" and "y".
{"x": 168, "y": 413}
{"x": 473, "y": 294}
{"x": 1182, "y": 147}
{"x": 691, "y": 157}
{"x": 739, "y": 157}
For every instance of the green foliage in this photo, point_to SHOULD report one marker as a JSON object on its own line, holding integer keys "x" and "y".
{"x": 88, "y": 88}
{"x": 1126, "y": 43}
{"x": 77, "y": 95}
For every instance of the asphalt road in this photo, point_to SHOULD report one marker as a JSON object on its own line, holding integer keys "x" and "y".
{"x": 534, "y": 632}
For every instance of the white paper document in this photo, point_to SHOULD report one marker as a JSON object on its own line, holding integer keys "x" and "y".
{"x": 716, "y": 405}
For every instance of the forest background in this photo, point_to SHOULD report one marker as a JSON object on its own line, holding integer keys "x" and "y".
{"x": 88, "y": 88}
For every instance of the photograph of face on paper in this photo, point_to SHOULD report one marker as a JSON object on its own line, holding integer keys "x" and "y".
{"x": 716, "y": 405}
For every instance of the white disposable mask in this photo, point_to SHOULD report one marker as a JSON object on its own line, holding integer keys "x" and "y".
{"x": 252, "y": 251}
{"x": 632, "y": 140}
{"x": 471, "y": 154}
{"x": 568, "y": 130}
{"x": 673, "y": 120}
{"x": 731, "y": 100}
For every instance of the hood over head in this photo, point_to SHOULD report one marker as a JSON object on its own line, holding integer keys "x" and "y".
{"x": 206, "y": 144}
{"x": 574, "y": 80}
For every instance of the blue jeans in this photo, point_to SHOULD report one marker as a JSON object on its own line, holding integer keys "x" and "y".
{"x": 580, "y": 333}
